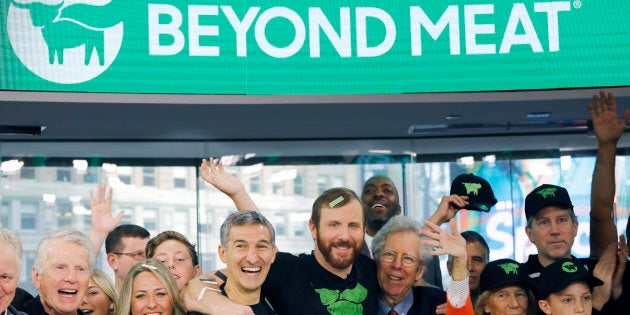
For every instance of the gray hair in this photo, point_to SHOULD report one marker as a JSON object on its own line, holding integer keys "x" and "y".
{"x": 70, "y": 236}
{"x": 400, "y": 223}
{"x": 9, "y": 238}
{"x": 245, "y": 217}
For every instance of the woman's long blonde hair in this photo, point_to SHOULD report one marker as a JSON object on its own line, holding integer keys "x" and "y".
{"x": 106, "y": 285}
{"x": 162, "y": 273}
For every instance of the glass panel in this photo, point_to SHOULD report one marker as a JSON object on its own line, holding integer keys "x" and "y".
{"x": 35, "y": 208}
{"x": 148, "y": 176}
{"x": 35, "y": 205}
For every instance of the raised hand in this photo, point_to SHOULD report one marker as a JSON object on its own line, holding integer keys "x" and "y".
{"x": 606, "y": 123}
{"x": 448, "y": 208}
{"x": 102, "y": 219}
{"x": 445, "y": 243}
{"x": 218, "y": 177}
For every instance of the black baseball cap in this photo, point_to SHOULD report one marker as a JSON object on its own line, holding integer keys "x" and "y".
{"x": 504, "y": 272}
{"x": 562, "y": 273}
{"x": 480, "y": 194}
{"x": 546, "y": 195}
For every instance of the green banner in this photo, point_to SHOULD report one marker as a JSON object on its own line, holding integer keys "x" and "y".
{"x": 283, "y": 47}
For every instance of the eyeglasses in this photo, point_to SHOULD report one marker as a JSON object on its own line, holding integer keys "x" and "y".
{"x": 135, "y": 256}
{"x": 389, "y": 256}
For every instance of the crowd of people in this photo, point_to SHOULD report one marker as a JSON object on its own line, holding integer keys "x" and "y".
{"x": 367, "y": 258}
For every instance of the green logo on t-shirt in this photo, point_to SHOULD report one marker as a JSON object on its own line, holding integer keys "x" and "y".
{"x": 347, "y": 302}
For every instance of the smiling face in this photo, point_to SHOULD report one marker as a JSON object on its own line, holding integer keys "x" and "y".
{"x": 149, "y": 296}
{"x": 339, "y": 236}
{"x": 175, "y": 255}
{"x": 396, "y": 278}
{"x": 96, "y": 302}
{"x": 553, "y": 231}
{"x": 248, "y": 255}
{"x": 64, "y": 277}
{"x": 9, "y": 275}
{"x": 381, "y": 199}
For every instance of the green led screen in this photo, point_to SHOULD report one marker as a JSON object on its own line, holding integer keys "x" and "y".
{"x": 278, "y": 47}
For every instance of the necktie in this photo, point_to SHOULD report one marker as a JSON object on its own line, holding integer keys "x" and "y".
{"x": 392, "y": 312}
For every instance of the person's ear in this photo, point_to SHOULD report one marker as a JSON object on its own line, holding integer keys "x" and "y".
{"x": 222, "y": 253}
{"x": 528, "y": 231}
{"x": 420, "y": 272}
{"x": 313, "y": 228}
{"x": 35, "y": 277}
{"x": 544, "y": 306}
{"x": 273, "y": 255}
{"x": 112, "y": 260}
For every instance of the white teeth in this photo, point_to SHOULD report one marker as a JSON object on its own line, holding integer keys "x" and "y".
{"x": 394, "y": 278}
{"x": 68, "y": 291}
{"x": 251, "y": 269}
{"x": 377, "y": 205}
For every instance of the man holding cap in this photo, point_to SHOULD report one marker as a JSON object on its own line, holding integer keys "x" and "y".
{"x": 472, "y": 193}
{"x": 566, "y": 287}
{"x": 480, "y": 194}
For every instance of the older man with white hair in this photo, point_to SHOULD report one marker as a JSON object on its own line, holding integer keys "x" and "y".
{"x": 61, "y": 274}
{"x": 10, "y": 268}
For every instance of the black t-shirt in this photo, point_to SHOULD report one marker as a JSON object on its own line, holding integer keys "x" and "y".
{"x": 261, "y": 308}
{"x": 300, "y": 285}
{"x": 533, "y": 267}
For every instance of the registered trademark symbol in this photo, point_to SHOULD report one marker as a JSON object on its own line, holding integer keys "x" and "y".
{"x": 577, "y": 4}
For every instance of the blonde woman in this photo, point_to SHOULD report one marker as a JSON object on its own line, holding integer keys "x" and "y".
{"x": 149, "y": 288}
{"x": 100, "y": 298}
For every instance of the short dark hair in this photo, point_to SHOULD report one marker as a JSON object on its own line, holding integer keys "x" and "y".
{"x": 113, "y": 242}
{"x": 332, "y": 195}
{"x": 472, "y": 237}
{"x": 175, "y": 236}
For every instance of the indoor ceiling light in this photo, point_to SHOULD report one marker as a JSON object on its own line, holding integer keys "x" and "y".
{"x": 109, "y": 167}
{"x": 538, "y": 115}
{"x": 80, "y": 165}
{"x": 11, "y": 166}
{"x": 466, "y": 160}
{"x": 380, "y": 151}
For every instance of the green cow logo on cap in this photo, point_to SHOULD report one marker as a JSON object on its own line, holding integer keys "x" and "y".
{"x": 65, "y": 41}
{"x": 510, "y": 268}
{"x": 472, "y": 188}
{"x": 547, "y": 192}
{"x": 569, "y": 267}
